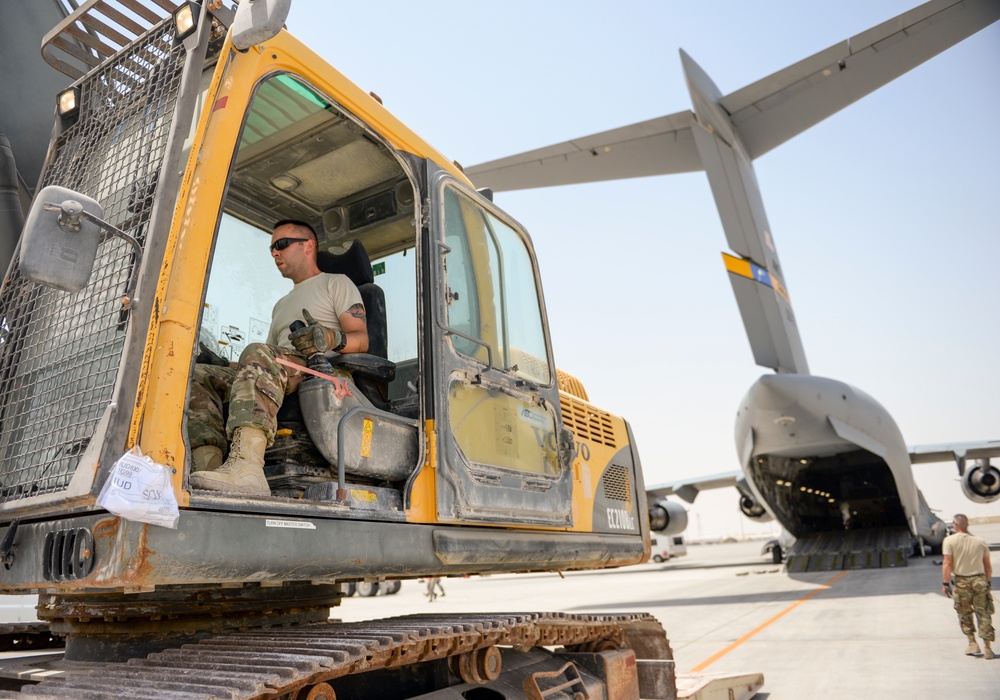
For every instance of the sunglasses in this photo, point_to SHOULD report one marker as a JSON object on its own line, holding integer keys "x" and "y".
{"x": 283, "y": 243}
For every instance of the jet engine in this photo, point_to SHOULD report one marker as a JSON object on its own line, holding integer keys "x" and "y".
{"x": 981, "y": 482}
{"x": 753, "y": 510}
{"x": 749, "y": 505}
{"x": 667, "y": 517}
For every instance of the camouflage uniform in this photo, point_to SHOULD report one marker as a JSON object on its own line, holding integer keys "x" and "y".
{"x": 972, "y": 595}
{"x": 254, "y": 390}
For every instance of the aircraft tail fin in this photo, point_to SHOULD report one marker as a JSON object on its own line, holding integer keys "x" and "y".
{"x": 756, "y": 274}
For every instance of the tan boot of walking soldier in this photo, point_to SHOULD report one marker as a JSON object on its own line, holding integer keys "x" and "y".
{"x": 243, "y": 472}
{"x": 973, "y": 648}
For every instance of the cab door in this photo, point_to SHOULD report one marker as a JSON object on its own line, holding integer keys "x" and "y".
{"x": 502, "y": 454}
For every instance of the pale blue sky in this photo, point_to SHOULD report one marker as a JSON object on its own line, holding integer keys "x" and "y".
{"x": 885, "y": 215}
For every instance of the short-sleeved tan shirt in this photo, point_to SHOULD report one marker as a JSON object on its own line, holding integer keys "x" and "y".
{"x": 326, "y": 297}
{"x": 967, "y": 552}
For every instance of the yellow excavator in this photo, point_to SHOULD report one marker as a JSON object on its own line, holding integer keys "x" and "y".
{"x": 455, "y": 446}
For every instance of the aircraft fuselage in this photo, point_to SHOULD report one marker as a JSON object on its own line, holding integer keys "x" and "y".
{"x": 821, "y": 455}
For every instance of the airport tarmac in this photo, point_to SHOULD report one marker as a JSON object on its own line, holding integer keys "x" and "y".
{"x": 862, "y": 634}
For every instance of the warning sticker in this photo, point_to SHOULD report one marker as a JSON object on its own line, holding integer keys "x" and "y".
{"x": 366, "y": 437}
{"x": 292, "y": 524}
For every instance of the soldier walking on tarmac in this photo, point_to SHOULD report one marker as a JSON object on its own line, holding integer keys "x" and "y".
{"x": 967, "y": 557}
{"x": 433, "y": 582}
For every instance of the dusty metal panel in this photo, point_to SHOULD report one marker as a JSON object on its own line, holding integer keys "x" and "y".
{"x": 503, "y": 550}
{"x": 100, "y": 552}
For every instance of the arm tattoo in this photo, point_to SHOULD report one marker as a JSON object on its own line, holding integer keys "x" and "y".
{"x": 357, "y": 311}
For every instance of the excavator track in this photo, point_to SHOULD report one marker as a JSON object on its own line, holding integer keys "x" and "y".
{"x": 292, "y": 662}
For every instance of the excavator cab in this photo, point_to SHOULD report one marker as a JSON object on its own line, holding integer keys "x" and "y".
{"x": 300, "y": 156}
{"x": 457, "y": 289}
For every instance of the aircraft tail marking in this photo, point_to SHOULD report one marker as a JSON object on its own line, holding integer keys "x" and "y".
{"x": 753, "y": 271}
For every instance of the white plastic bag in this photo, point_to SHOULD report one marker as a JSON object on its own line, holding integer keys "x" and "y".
{"x": 139, "y": 489}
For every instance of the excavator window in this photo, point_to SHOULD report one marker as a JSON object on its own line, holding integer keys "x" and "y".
{"x": 302, "y": 156}
{"x": 492, "y": 291}
{"x": 242, "y": 288}
{"x": 396, "y": 275}
{"x": 495, "y": 320}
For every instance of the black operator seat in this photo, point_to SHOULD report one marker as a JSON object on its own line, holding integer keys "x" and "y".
{"x": 372, "y": 370}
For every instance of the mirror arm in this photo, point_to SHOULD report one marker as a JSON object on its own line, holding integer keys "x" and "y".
{"x": 70, "y": 214}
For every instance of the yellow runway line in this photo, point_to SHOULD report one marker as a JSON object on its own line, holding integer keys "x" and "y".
{"x": 715, "y": 657}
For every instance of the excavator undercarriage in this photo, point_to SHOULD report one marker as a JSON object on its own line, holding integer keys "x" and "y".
{"x": 418, "y": 656}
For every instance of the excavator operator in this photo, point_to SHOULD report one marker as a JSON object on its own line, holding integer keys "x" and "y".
{"x": 334, "y": 316}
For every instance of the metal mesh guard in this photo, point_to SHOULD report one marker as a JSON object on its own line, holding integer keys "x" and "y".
{"x": 60, "y": 352}
{"x": 616, "y": 484}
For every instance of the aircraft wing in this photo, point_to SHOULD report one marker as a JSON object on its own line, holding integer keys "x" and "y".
{"x": 765, "y": 114}
{"x": 954, "y": 451}
{"x": 661, "y": 146}
{"x": 688, "y": 489}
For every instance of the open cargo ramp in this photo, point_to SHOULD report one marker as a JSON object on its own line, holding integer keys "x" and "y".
{"x": 878, "y": 548}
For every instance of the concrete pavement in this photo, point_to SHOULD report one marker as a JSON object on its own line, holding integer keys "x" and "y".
{"x": 860, "y": 634}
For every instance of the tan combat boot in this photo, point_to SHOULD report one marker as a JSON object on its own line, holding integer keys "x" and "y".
{"x": 206, "y": 458}
{"x": 243, "y": 472}
{"x": 973, "y": 648}
{"x": 987, "y": 650}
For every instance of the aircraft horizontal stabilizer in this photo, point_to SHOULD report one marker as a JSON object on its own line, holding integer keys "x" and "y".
{"x": 784, "y": 104}
{"x": 661, "y": 146}
{"x": 765, "y": 114}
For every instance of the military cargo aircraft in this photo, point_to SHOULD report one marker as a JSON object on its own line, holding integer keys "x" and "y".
{"x": 821, "y": 457}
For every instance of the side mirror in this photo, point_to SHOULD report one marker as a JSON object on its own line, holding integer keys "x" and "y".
{"x": 257, "y": 21}
{"x": 60, "y": 239}
{"x": 58, "y": 244}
